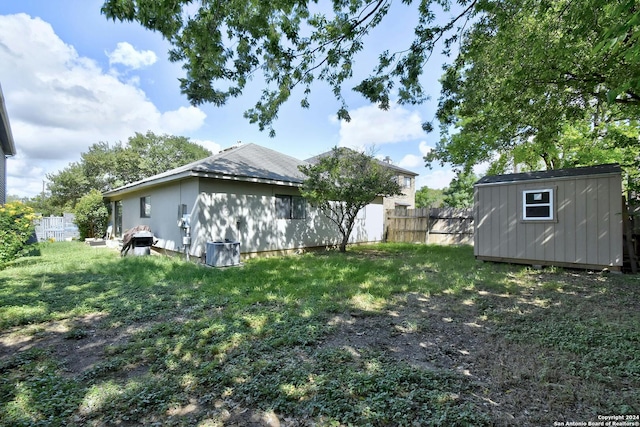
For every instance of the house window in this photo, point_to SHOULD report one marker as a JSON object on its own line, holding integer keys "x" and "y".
{"x": 537, "y": 204}
{"x": 407, "y": 182}
{"x": 290, "y": 207}
{"x": 145, "y": 207}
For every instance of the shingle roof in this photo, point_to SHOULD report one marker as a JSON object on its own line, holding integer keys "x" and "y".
{"x": 251, "y": 161}
{"x": 551, "y": 174}
{"x": 246, "y": 161}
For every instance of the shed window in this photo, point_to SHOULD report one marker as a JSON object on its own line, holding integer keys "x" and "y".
{"x": 537, "y": 204}
{"x": 290, "y": 207}
{"x": 145, "y": 207}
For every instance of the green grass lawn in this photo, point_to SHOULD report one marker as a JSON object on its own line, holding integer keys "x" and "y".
{"x": 384, "y": 335}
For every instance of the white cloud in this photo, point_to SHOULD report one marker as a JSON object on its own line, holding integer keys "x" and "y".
{"x": 127, "y": 55}
{"x": 436, "y": 179}
{"x": 424, "y": 148}
{"x": 371, "y": 126}
{"x": 480, "y": 169}
{"x": 59, "y": 103}
{"x": 411, "y": 161}
{"x": 183, "y": 119}
{"x": 212, "y": 146}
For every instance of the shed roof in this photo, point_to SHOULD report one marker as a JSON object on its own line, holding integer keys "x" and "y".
{"x": 246, "y": 162}
{"x": 613, "y": 168}
{"x": 6, "y": 137}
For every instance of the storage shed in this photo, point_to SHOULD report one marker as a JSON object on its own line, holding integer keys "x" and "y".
{"x": 564, "y": 217}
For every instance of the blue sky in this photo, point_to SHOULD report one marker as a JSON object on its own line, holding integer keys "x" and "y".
{"x": 72, "y": 78}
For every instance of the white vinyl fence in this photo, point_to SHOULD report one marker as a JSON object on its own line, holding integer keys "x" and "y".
{"x": 58, "y": 228}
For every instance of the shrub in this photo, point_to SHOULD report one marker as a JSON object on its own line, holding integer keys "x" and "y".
{"x": 16, "y": 227}
{"x": 91, "y": 215}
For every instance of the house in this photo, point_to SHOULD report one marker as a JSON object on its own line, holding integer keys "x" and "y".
{"x": 564, "y": 217}
{"x": 7, "y": 148}
{"x": 247, "y": 194}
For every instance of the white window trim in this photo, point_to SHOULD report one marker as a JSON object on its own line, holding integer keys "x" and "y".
{"x": 551, "y": 216}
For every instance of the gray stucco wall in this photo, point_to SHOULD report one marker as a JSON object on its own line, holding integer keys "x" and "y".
{"x": 164, "y": 210}
{"x": 239, "y": 211}
{"x": 246, "y": 212}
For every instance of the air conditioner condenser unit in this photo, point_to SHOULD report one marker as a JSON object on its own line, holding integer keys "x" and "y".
{"x": 222, "y": 254}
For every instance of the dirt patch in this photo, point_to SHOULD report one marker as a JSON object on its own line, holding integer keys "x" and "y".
{"x": 514, "y": 383}
{"x": 417, "y": 331}
{"x": 79, "y": 343}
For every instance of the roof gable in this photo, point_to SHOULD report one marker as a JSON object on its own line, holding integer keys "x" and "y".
{"x": 613, "y": 168}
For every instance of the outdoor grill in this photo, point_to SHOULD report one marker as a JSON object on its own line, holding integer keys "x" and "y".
{"x": 142, "y": 242}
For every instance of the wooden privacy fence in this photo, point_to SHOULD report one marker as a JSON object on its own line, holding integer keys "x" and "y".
{"x": 445, "y": 226}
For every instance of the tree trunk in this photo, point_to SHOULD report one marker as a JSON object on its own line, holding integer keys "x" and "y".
{"x": 346, "y": 232}
{"x": 343, "y": 244}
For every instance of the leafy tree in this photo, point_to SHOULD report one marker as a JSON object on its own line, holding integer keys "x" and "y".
{"x": 16, "y": 228}
{"x": 42, "y": 205}
{"x": 223, "y": 45}
{"x": 459, "y": 194}
{"x": 343, "y": 182}
{"x": 91, "y": 215}
{"x": 530, "y": 88}
{"x": 159, "y": 153}
{"x": 100, "y": 165}
{"x": 429, "y": 197}
{"x": 68, "y": 186}
{"x": 104, "y": 166}
{"x": 620, "y": 41}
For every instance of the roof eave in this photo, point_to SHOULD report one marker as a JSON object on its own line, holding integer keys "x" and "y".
{"x": 135, "y": 187}
{"x": 6, "y": 137}
{"x": 141, "y": 185}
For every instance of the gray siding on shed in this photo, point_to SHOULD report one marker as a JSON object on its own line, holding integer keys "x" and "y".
{"x": 586, "y": 230}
